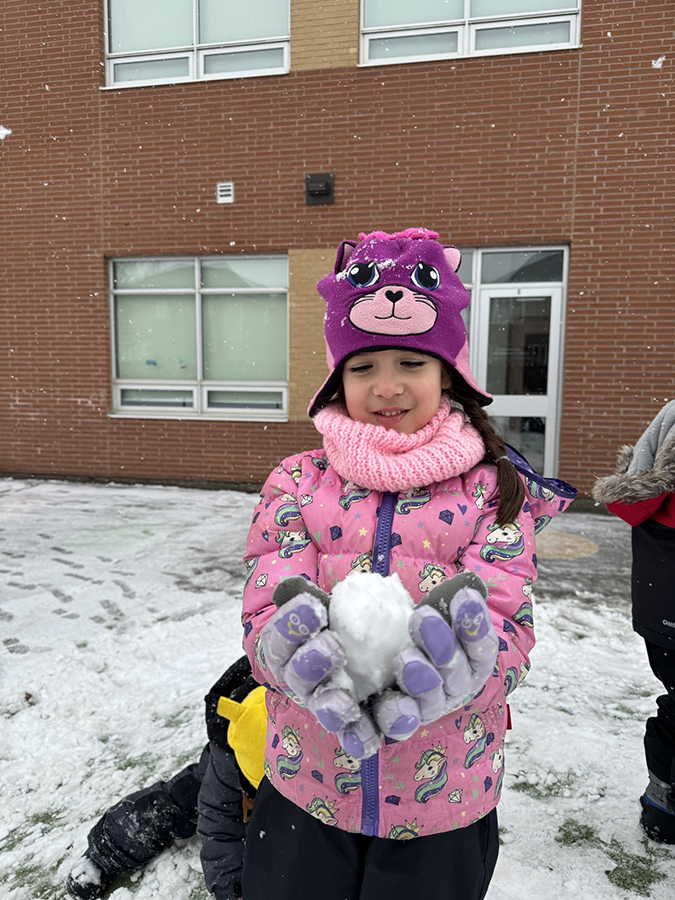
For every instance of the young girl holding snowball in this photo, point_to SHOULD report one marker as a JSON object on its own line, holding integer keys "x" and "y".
{"x": 388, "y": 600}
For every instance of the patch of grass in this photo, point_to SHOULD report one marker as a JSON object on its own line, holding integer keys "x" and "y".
{"x": 14, "y": 838}
{"x": 175, "y": 720}
{"x": 145, "y": 761}
{"x": 199, "y": 892}
{"x": 572, "y": 832}
{"x": 539, "y": 791}
{"x": 37, "y": 879}
{"x": 49, "y": 817}
{"x": 637, "y": 690}
{"x": 633, "y": 872}
{"x": 190, "y": 756}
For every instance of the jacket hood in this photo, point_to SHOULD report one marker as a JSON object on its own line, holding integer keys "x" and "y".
{"x": 633, "y": 487}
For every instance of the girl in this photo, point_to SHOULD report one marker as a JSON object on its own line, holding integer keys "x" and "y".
{"x": 412, "y": 476}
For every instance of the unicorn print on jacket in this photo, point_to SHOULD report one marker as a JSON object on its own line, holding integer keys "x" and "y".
{"x": 431, "y": 576}
{"x": 431, "y": 769}
{"x": 289, "y": 766}
{"x": 503, "y": 542}
{"x": 348, "y": 781}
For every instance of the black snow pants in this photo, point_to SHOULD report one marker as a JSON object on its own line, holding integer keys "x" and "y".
{"x": 660, "y": 730}
{"x": 141, "y": 825}
{"x": 289, "y": 855}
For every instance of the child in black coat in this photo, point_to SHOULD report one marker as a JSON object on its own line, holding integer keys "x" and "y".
{"x": 233, "y": 773}
{"x": 137, "y": 828}
{"x": 642, "y": 492}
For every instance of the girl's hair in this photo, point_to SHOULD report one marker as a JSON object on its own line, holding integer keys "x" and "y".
{"x": 511, "y": 489}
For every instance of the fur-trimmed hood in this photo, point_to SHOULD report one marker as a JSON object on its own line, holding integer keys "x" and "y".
{"x": 633, "y": 487}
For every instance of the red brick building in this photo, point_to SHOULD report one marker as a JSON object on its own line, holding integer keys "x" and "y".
{"x": 159, "y": 319}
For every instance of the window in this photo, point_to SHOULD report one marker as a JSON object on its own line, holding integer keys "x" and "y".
{"x": 201, "y": 337}
{"x": 167, "y": 41}
{"x": 395, "y": 31}
{"x": 516, "y": 322}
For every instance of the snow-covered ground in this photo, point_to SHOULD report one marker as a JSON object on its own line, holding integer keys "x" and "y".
{"x": 119, "y": 606}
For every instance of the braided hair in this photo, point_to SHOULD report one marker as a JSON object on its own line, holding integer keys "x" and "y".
{"x": 511, "y": 489}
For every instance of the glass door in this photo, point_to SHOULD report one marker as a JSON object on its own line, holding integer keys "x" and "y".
{"x": 516, "y": 348}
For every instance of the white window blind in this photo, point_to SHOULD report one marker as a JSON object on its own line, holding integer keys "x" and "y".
{"x": 201, "y": 337}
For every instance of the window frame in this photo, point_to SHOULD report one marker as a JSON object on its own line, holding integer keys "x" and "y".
{"x": 467, "y": 28}
{"x": 194, "y": 53}
{"x": 414, "y": 32}
{"x": 233, "y": 49}
{"x": 473, "y": 281}
{"x": 199, "y": 386}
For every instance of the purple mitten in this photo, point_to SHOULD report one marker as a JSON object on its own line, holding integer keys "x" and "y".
{"x": 313, "y": 663}
{"x": 419, "y": 677}
{"x": 361, "y": 738}
{"x": 300, "y": 650}
{"x": 476, "y": 634}
{"x": 291, "y": 626}
{"x": 454, "y": 629}
{"x": 334, "y": 707}
{"x": 337, "y": 710}
{"x": 397, "y": 714}
{"x": 454, "y": 654}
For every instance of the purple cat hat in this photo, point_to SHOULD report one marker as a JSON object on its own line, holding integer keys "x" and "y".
{"x": 395, "y": 290}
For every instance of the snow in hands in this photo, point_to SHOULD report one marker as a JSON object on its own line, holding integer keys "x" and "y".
{"x": 368, "y": 663}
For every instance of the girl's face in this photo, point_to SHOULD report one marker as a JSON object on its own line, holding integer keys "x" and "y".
{"x": 398, "y": 389}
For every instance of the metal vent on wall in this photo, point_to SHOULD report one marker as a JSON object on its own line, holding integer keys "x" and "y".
{"x": 225, "y": 192}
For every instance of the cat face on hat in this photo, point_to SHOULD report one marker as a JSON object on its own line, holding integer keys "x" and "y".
{"x": 395, "y": 291}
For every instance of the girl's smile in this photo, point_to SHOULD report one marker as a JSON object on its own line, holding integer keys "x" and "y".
{"x": 397, "y": 389}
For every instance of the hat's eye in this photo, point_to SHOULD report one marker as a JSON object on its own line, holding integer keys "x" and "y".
{"x": 363, "y": 274}
{"x": 426, "y": 277}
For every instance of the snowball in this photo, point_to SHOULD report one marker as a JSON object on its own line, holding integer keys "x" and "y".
{"x": 370, "y": 613}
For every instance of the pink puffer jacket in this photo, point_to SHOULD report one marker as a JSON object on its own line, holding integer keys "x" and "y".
{"x": 310, "y": 522}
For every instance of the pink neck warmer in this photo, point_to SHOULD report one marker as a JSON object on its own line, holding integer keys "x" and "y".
{"x": 383, "y": 460}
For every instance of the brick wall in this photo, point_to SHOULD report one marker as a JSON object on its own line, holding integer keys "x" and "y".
{"x": 306, "y": 310}
{"x": 621, "y": 314}
{"x": 571, "y": 146}
{"x": 324, "y": 33}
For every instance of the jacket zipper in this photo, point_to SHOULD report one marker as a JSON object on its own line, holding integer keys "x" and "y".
{"x": 370, "y": 806}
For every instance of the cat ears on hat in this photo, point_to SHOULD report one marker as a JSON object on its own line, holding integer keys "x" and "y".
{"x": 346, "y": 248}
{"x": 344, "y": 253}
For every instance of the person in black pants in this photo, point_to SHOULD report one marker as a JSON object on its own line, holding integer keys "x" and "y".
{"x": 642, "y": 492}
{"x": 137, "y": 828}
{"x": 282, "y": 835}
{"x": 660, "y": 731}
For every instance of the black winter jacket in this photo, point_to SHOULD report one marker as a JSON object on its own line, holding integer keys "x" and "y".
{"x": 646, "y": 500}
{"x": 224, "y": 789}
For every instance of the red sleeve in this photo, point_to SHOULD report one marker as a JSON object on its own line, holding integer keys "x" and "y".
{"x": 637, "y": 513}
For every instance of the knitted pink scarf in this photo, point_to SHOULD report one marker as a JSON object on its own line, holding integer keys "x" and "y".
{"x": 381, "y": 459}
